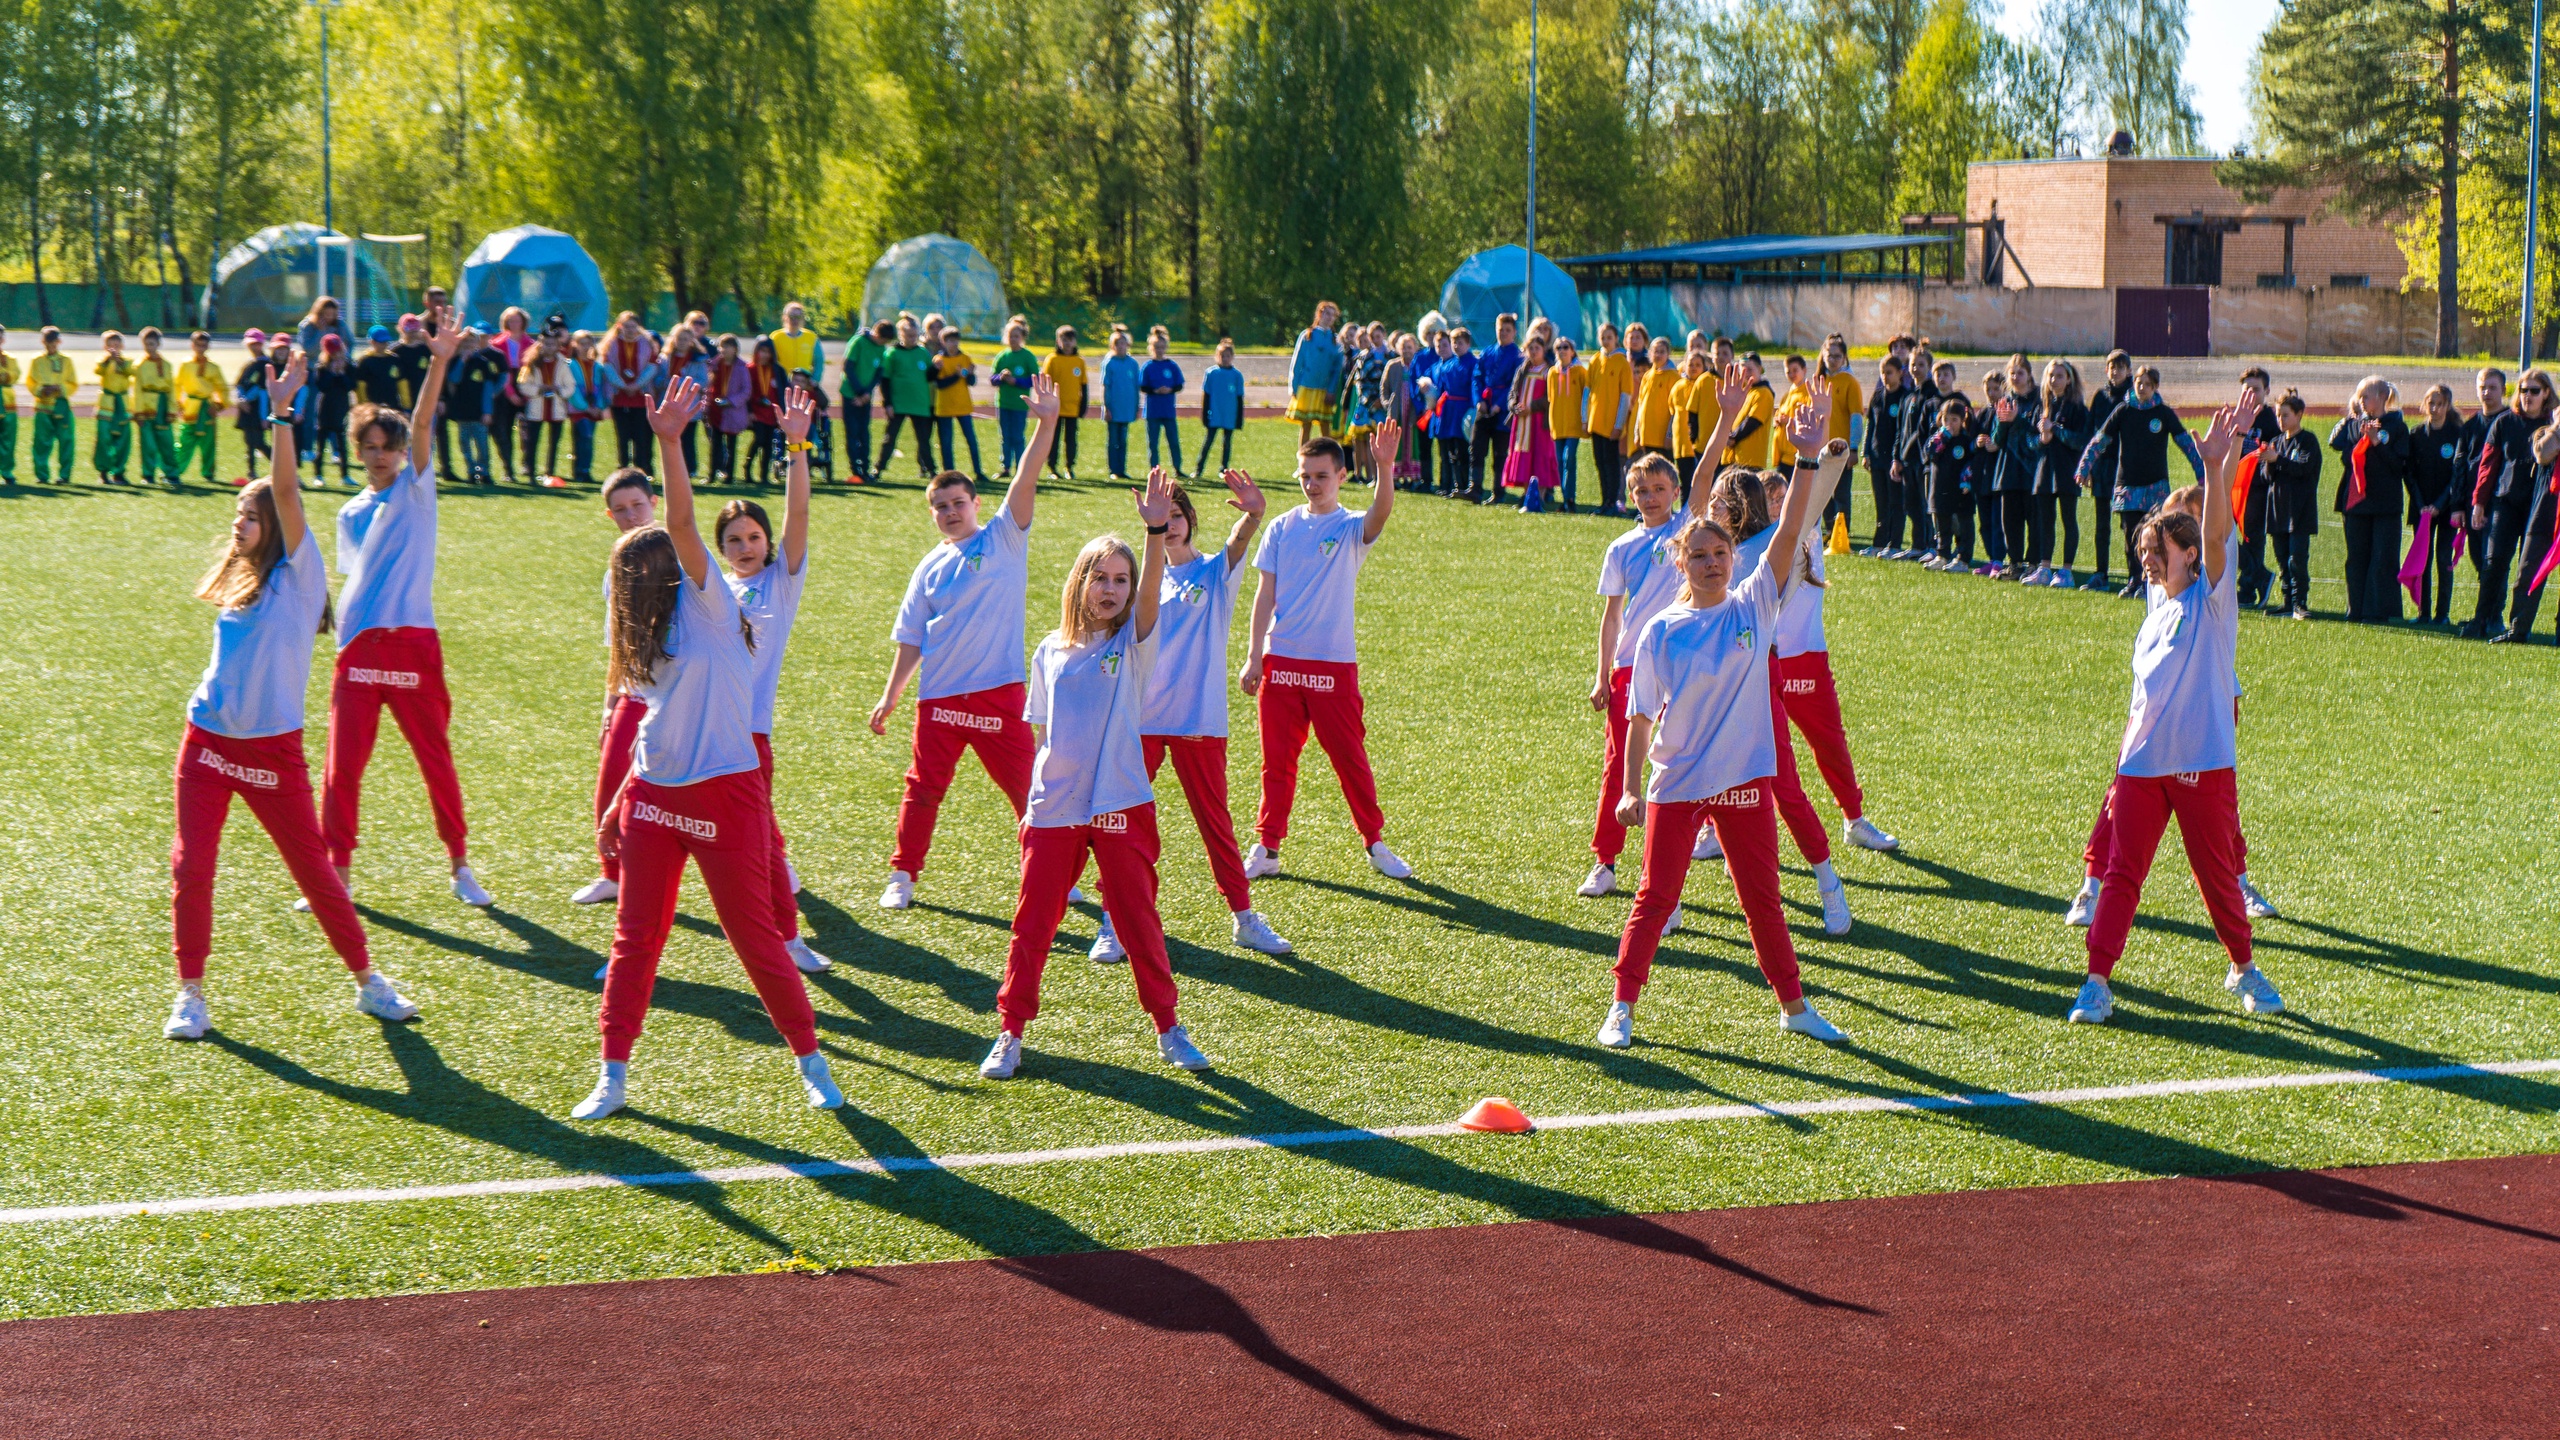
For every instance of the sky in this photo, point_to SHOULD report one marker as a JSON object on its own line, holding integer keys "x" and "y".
{"x": 2222, "y": 35}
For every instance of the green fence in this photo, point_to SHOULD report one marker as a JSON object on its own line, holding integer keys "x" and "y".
{"x": 80, "y": 307}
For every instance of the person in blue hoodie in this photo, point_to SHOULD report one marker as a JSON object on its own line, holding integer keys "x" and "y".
{"x": 1122, "y": 382}
{"x": 1161, "y": 382}
{"x": 1454, "y": 385}
{"x": 1221, "y": 410}
{"x": 1489, "y": 435}
{"x": 1315, "y": 373}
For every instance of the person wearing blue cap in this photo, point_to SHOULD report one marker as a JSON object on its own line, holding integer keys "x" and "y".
{"x": 378, "y": 374}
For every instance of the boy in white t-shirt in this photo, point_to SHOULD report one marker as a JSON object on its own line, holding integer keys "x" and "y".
{"x": 1302, "y": 665}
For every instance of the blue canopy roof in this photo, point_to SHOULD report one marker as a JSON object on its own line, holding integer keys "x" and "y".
{"x": 1489, "y": 282}
{"x": 541, "y": 270}
{"x": 1754, "y": 249}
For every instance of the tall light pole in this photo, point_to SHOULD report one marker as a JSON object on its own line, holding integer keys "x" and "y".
{"x": 1529, "y": 270}
{"x": 328, "y": 185}
{"x": 2532, "y": 200}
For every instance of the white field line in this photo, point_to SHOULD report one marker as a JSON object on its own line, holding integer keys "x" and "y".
{"x": 1212, "y": 1145}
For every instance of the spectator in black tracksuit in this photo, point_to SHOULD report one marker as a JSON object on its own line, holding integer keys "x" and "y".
{"x": 2017, "y": 447}
{"x": 1883, "y": 442}
{"x": 2372, "y": 441}
{"x": 2538, "y": 528}
{"x": 2502, "y": 495}
{"x": 2290, "y": 466}
{"x": 2101, "y": 476}
{"x": 1948, "y": 466}
{"x": 2435, "y": 454}
{"x": 2137, "y": 435}
{"x": 2062, "y": 431}
{"x": 2492, "y": 389}
{"x": 2255, "y": 386}
{"x": 1919, "y": 422}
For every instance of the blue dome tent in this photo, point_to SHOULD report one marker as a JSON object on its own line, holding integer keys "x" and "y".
{"x": 1487, "y": 284}
{"x": 926, "y": 274}
{"x": 269, "y": 280}
{"x": 539, "y": 269}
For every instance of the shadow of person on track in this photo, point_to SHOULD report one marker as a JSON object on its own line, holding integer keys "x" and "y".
{"x": 2370, "y": 1202}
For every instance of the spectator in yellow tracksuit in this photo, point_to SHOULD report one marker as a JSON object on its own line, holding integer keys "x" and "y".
{"x": 1693, "y": 416}
{"x": 112, "y": 449}
{"x": 203, "y": 394}
{"x": 1567, "y": 383}
{"x": 52, "y": 379}
{"x": 1799, "y": 395}
{"x": 8, "y": 413}
{"x": 155, "y": 407}
{"x": 1651, "y": 424}
{"x": 1608, "y": 381}
{"x": 1066, "y": 370}
{"x": 1753, "y": 432}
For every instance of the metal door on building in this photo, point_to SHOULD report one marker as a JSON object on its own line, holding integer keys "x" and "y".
{"x": 2165, "y": 322}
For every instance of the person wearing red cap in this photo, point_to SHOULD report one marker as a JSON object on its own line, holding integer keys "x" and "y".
{"x": 324, "y": 414}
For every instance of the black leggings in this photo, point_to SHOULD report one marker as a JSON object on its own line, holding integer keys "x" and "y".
{"x": 1955, "y": 524}
{"x": 1453, "y": 463}
{"x": 724, "y": 454}
{"x": 1888, "y": 492}
{"x": 2014, "y": 505}
{"x": 533, "y": 430}
{"x": 503, "y": 414}
{"x": 920, "y": 434}
{"x": 1613, "y": 472}
{"x": 631, "y": 438}
{"x": 760, "y": 461}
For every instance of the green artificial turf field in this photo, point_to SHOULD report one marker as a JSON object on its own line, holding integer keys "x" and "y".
{"x": 2392, "y": 807}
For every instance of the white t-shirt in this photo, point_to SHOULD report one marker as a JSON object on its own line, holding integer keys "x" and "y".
{"x": 1644, "y": 566}
{"x": 771, "y": 601}
{"x": 1703, "y": 675}
{"x": 1088, "y": 697}
{"x": 2185, "y": 681}
{"x": 261, "y": 664}
{"x": 1195, "y": 610}
{"x": 964, "y": 610}
{"x": 387, "y": 551}
{"x": 1315, "y": 560}
{"x": 703, "y": 698}
{"x": 1800, "y": 619}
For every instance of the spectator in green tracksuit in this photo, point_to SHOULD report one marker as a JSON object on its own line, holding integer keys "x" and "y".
{"x": 862, "y": 365}
{"x": 1015, "y": 369}
{"x": 908, "y": 370}
{"x": 8, "y": 413}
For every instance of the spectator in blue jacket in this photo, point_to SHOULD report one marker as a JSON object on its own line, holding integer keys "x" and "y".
{"x": 1315, "y": 372}
{"x": 1423, "y": 377}
{"x": 1221, "y": 409}
{"x": 1453, "y": 384}
{"x": 1121, "y": 385}
{"x": 1489, "y": 434}
{"x": 1161, "y": 381}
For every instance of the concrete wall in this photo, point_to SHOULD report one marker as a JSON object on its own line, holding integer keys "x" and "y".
{"x": 2054, "y": 320}
{"x": 2094, "y": 222}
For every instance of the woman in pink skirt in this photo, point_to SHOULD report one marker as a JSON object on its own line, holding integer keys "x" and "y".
{"x": 1531, "y": 465}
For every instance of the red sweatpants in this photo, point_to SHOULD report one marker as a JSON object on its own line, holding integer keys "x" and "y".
{"x": 1200, "y": 763}
{"x": 272, "y": 776}
{"x": 2207, "y": 804}
{"x": 725, "y": 825}
{"x": 987, "y": 721}
{"x": 1299, "y": 694}
{"x": 1123, "y": 846}
{"x": 1793, "y": 807}
{"x": 786, "y": 902}
{"x": 2102, "y": 840}
{"x": 1608, "y": 837}
{"x": 404, "y": 669}
{"x": 1813, "y": 703}
{"x": 1748, "y": 831}
{"x": 613, "y": 761}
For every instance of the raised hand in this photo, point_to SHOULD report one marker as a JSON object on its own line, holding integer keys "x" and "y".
{"x": 1804, "y": 427}
{"x": 1042, "y": 402}
{"x": 798, "y": 412}
{"x": 2219, "y": 435}
{"x": 1242, "y": 493}
{"x": 1382, "y": 445}
{"x": 444, "y": 336}
{"x": 683, "y": 402}
{"x": 1734, "y": 388}
{"x": 283, "y": 385}
{"x": 1155, "y": 502}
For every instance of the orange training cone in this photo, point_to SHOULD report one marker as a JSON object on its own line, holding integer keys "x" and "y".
{"x": 1839, "y": 536}
{"x": 1495, "y": 1114}
{"x": 554, "y": 482}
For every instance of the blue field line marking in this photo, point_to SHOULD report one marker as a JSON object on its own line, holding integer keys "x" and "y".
{"x": 1296, "y": 1140}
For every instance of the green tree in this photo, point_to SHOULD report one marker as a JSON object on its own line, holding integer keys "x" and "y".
{"x": 1942, "y": 115}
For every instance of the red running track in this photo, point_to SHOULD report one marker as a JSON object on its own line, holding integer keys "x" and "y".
{"x": 2407, "y": 1301}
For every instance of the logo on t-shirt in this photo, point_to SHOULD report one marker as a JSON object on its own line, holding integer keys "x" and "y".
{"x": 1190, "y": 592}
{"x": 976, "y": 563}
{"x": 1742, "y": 641}
{"x": 2155, "y": 427}
{"x": 1662, "y": 552}
{"x": 1110, "y": 662}
{"x": 1328, "y": 547}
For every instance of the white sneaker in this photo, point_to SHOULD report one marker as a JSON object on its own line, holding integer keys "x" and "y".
{"x": 1601, "y": 880}
{"x": 1075, "y": 894}
{"x": 467, "y": 889}
{"x": 375, "y": 997}
{"x": 188, "y": 1018}
{"x": 901, "y": 891}
{"x": 1862, "y": 832}
{"x": 1809, "y": 1021}
{"x": 817, "y": 1085}
{"x": 2095, "y": 1003}
{"x": 2084, "y": 906}
{"x": 1107, "y": 949}
{"x": 601, "y": 969}
{"x": 608, "y": 1095}
{"x": 597, "y": 892}
{"x": 1386, "y": 862}
{"x": 1003, "y": 1059}
{"x": 791, "y": 875}
{"x": 1619, "y": 1030}
{"x": 2038, "y": 575}
{"x": 1178, "y": 1051}
{"x": 2257, "y": 904}
{"x": 1255, "y": 933}
{"x": 2257, "y": 993}
{"x": 1259, "y": 863}
{"x": 1835, "y": 910}
{"x": 809, "y": 961}
{"x": 1707, "y": 848}
{"x": 1678, "y": 922}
